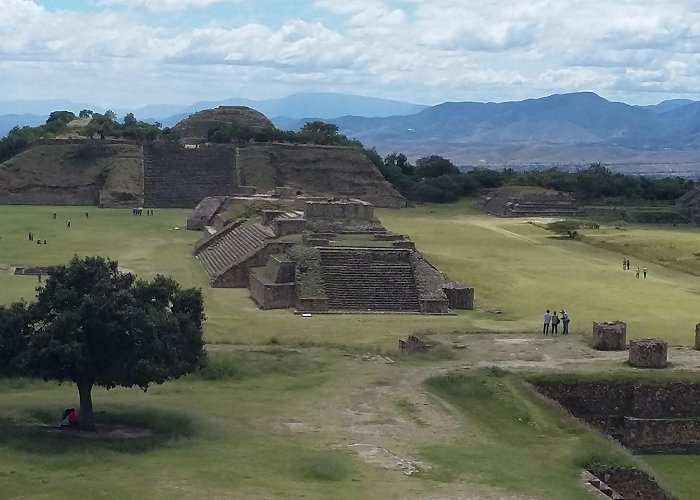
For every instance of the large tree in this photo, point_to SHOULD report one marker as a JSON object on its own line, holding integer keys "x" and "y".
{"x": 95, "y": 325}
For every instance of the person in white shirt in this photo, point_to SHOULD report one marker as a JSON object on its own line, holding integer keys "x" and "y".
{"x": 565, "y": 321}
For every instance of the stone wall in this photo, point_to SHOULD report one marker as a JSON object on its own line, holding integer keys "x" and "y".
{"x": 283, "y": 226}
{"x": 645, "y": 435}
{"x": 337, "y": 209}
{"x": 459, "y": 296}
{"x": 177, "y": 177}
{"x": 280, "y": 269}
{"x": 630, "y": 483}
{"x": 644, "y": 417}
{"x": 271, "y": 295}
{"x": 270, "y": 215}
{"x": 433, "y": 306}
{"x": 315, "y": 304}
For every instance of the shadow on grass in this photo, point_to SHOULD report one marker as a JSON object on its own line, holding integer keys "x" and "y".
{"x": 122, "y": 431}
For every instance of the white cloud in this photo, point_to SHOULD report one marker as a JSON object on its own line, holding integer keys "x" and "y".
{"x": 406, "y": 49}
{"x": 163, "y": 5}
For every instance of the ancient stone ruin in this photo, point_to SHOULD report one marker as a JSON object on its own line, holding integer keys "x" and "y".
{"x": 690, "y": 202}
{"x": 542, "y": 203}
{"x": 645, "y": 417}
{"x": 648, "y": 353}
{"x": 126, "y": 173}
{"x": 414, "y": 344}
{"x": 334, "y": 256}
{"x": 610, "y": 336}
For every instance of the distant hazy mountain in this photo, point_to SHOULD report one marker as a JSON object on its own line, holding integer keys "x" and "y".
{"x": 7, "y": 122}
{"x": 574, "y": 128}
{"x": 321, "y": 105}
{"x": 669, "y": 105}
{"x": 562, "y": 119}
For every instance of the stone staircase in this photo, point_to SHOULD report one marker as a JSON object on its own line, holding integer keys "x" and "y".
{"x": 364, "y": 279}
{"x": 231, "y": 246}
{"x": 177, "y": 177}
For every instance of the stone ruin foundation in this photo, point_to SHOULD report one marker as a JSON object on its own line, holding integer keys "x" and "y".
{"x": 620, "y": 483}
{"x": 644, "y": 417}
{"x": 414, "y": 344}
{"x": 610, "y": 336}
{"x": 648, "y": 353}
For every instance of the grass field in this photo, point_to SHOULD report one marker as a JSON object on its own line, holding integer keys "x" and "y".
{"x": 286, "y": 420}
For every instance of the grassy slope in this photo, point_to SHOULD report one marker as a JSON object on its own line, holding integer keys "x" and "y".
{"x": 520, "y": 269}
{"x": 240, "y": 444}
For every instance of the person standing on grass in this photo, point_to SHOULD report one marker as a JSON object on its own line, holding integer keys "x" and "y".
{"x": 637, "y": 273}
{"x": 565, "y": 321}
{"x": 555, "y": 323}
{"x": 645, "y": 272}
{"x": 547, "y": 321}
{"x": 68, "y": 225}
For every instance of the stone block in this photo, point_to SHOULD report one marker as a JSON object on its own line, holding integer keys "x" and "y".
{"x": 459, "y": 296}
{"x": 610, "y": 336}
{"x": 414, "y": 344}
{"x": 648, "y": 353}
{"x": 269, "y": 215}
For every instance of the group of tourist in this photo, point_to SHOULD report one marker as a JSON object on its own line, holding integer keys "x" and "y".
{"x": 38, "y": 241}
{"x": 139, "y": 211}
{"x": 626, "y": 267}
{"x": 551, "y": 320}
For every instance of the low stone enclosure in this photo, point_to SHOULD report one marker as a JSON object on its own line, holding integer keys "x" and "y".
{"x": 541, "y": 202}
{"x": 292, "y": 259}
{"x": 646, "y": 417}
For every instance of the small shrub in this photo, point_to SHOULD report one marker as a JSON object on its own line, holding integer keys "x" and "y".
{"x": 325, "y": 466}
{"x": 219, "y": 369}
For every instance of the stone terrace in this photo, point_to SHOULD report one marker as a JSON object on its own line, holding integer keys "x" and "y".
{"x": 179, "y": 177}
{"x": 543, "y": 208}
{"x": 361, "y": 279}
{"x": 231, "y": 246}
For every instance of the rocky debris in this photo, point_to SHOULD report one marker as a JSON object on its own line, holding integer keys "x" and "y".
{"x": 414, "y": 344}
{"x": 382, "y": 457}
{"x": 648, "y": 353}
{"x": 610, "y": 336}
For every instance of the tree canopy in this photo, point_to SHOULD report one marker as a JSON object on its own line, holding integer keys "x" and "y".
{"x": 95, "y": 325}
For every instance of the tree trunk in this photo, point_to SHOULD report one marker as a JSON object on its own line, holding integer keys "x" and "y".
{"x": 87, "y": 418}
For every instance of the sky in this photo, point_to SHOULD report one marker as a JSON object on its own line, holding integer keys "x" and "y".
{"x": 129, "y": 53}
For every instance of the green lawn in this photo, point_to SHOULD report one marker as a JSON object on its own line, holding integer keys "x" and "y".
{"x": 279, "y": 421}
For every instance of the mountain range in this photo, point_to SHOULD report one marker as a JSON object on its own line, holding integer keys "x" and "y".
{"x": 561, "y": 129}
